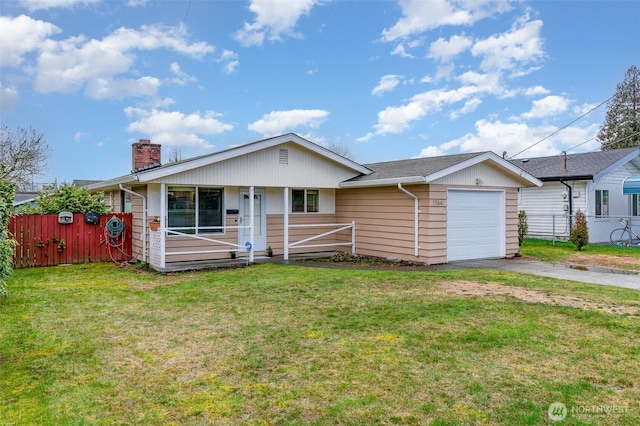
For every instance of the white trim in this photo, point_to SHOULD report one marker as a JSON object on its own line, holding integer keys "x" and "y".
{"x": 416, "y": 211}
{"x": 206, "y": 160}
{"x": 502, "y": 220}
{"x": 286, "y": 223}
{"x": 486, "y": 156}
{"x": 143, "y": 236}
{"x": 382, "y": 182}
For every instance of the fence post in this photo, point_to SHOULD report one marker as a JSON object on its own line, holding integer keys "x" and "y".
{"x": 553, "y": 230}
{"x": 353, "y": 237}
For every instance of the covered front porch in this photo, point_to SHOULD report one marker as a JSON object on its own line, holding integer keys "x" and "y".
{"x": 250, "y": 233}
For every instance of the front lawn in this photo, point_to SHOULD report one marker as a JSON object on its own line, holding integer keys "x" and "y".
{"x": 269, "y": 344}
{"x": 605, "y": 255}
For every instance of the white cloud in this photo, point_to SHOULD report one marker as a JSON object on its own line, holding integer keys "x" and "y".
{"x": 278, "y": 122}
{"x": 386, "y": 84}
{"x": 445, "y": 50}
{"x": 175, "y": 128}
{"x": 419, "y": 15}
{"x": 545, "y": 107}
{"x": 229, "y": 60}
{"x": 401, "y": 51}
{"x": 469, "y": 106}
{"x": 535, "y": 91}
{"x": 513, "y": 138}
{"x": 21, "y": 35}
{"x": 273, "y": 20}
{"x": 9, "y": 98}
{"x": 33, "y": 5}
{"x": 107, "y": 88}
{"x": 431, "y": 151}
{"x": 511, "y": 50}
{"x": 397, "y": 119}
{"x": 181, "y": 78}
{"x": 99, "y": 66}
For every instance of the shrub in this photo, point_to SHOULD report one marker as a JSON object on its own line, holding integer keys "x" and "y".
{"x": 67, "y": 197}
{"x": 6, "y": 244}
{"x": 523, "y": 226}
{"x": 580, "y": 231}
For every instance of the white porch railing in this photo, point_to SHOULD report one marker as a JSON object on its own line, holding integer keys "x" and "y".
{"x": 342, "y": 227}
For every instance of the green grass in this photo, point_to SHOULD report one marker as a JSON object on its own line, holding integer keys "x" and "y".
{"x": 269, "y": 344}
{"x": 548, "y": 251}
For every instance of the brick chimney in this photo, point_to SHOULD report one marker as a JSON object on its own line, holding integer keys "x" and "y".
{"x": 145, "y": 155}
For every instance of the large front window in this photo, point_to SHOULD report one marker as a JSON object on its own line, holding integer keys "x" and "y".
{"x": 305, "y": 200}
{"x": 602, "y": 203}
{"x": 635, "y": 204}
{"x": 195, "y": 210}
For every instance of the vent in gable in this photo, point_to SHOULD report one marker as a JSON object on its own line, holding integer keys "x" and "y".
{"x": 284, "y": 156}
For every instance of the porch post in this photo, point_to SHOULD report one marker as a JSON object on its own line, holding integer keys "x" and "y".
{"x": 252, "y": 208}
{"x": 286, "y": 223}
{"x": 163, "y": 224}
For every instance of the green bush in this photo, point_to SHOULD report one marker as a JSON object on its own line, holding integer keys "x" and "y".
{"x": 580, "y": 231}
{"x": 523, "y": 226}
{"x": 6, "y": 244}
{"x": 56, "y": 198}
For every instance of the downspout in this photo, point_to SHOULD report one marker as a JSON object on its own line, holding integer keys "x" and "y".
{"x": 570, "y": 203}
{"x": 416, "y": 211}
{"x": 144, "y": 220}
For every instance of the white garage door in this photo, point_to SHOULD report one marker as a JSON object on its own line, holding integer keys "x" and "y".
{"x": 475, "y": 225}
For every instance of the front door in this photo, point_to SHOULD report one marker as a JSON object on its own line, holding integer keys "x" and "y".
{"x": 260, "y": 220}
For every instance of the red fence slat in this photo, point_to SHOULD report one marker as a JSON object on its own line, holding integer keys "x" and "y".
{"x": 39, "y": 240}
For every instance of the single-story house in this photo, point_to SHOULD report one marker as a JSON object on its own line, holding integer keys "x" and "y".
{"x": 307, "y": 198}
{"x": 600, "y": 184}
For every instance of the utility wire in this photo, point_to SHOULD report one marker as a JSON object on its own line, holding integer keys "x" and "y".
{"x": 563, "y": 127}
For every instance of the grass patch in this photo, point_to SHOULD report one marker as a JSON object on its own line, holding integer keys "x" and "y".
{"x": 547, "y": 251}
{"x": 275, "y": 344}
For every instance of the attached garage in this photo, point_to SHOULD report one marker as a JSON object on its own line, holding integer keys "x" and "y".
{"x": 436, "y": 210}
{"x": 475, "y": 224}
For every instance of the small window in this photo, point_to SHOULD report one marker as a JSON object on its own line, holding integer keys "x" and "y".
{"x": 305, "y": 200}
{"x": 635, "y": 205}
{"x": 602, "y": 203}
{"x": 126, "y": 202}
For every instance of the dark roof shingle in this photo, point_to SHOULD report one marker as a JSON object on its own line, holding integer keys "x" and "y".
{"x": 579, "y": 166}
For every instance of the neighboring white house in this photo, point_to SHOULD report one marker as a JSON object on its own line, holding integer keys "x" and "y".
{"x": 591, "y": 182}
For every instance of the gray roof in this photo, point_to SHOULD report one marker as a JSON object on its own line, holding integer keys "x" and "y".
{"x": 583, "y": 166}
{"x": 413, "y": 167}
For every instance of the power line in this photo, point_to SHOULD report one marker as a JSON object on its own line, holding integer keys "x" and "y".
{"x": 563, "y": 127}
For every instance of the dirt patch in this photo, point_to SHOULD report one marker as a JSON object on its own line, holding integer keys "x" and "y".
{"x": 472, "y": 288}
{"x": 605, "y": 261}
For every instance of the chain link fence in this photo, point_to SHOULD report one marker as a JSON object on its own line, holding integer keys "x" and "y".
{"x": 612, "y": 230}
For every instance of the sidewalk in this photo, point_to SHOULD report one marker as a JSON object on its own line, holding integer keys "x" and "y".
{"x": 591, "y": 275}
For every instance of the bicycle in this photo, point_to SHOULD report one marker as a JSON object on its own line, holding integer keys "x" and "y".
{"x": 624, "y": 236}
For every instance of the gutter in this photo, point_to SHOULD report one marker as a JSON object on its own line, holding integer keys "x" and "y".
{"x": 144, "y": 220}
{"x": 570, "y": 189}
{"x": 416, "y": 211}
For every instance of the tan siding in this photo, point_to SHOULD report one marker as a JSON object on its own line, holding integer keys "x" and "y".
{"x": 385, "y": 220}
{"x": 511, "y": 215}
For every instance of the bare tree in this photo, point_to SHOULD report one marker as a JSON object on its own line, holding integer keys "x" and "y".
{"x": 23, "y": 153}
{"x": 621, "y": 128}
{"x": 341, "y": 150}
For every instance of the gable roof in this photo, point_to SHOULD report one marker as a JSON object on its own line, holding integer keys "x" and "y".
{"x": 584, "y": 166}
{"x": 216, "y": 157}
{"x": 428, "y": 169}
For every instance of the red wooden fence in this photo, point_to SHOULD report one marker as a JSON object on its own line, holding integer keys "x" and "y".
{"x": 42, "y": 241}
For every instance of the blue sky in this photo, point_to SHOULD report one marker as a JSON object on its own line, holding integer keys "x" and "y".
{"x": 386, "y": 79}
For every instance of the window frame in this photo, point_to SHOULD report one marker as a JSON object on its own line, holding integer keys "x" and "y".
{"x": 635, "y": 204}
{"x": 197, "y": 228}
{"x": 305, "y": 200}
{"x": 602, "y": 203}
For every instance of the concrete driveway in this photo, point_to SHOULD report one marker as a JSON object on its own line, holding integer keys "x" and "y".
{"x": 591, "y": 275}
